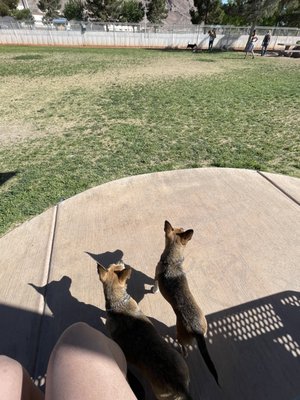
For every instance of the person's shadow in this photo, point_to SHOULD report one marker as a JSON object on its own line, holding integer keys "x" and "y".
{"x": 66, "y": 310}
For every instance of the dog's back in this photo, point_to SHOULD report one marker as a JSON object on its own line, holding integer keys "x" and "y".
{"x": 162, "y": 365}
{"x": 143, "y": 347}
{"x": 176, "y": 291}
{"x": 170, "y": 278}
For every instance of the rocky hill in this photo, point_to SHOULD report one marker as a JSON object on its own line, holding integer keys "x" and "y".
{"x": 178, "y": 10}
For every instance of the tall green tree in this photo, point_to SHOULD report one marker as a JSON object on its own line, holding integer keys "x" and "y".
{"x": 157, "y": 11}
{"x": 287, "y": 14}
{"x": 6, "y": 7}
{"x": 256, "y": 10}
{"x": 104, "y": 10}
{"x": 9, "y": 8}
{"x": 290, "y": 16}
{"x": 233, "y": 13}
{"x": 132, "y": 11}
{"x": 50, "y": 8}
{"x": 74, "y": 9}
{"x": 207, "y": 11}
{"x": 265, "y": 12}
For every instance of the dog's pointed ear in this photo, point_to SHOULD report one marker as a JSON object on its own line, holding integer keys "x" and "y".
{"x": 168, "y": 227}
{"x": 185, "y": 236}
{"x": 124, "y": 275}
{"x": 102, "y": 272}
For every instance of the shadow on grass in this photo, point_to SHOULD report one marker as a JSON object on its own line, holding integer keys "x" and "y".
{"x": 5, "y": 176}
{"x": 27, "y": 57}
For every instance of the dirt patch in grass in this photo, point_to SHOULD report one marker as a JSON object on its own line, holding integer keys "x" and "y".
{"x": 74, "y": 119}
{"x": 11, "y": 133}
{"x": 30, "y": 97}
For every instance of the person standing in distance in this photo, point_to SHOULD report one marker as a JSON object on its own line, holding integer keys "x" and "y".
{"x": 265, "y": 43}
{"x": 250, "y": 44}
{"x": 212, "y": 36}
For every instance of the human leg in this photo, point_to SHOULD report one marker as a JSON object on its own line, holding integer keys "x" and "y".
{"x": 85, "y": 364}
{"x": 15, "y": 382}
{"x": 266, "y": 46}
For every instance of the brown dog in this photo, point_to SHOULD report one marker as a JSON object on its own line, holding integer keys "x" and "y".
{"x": 170, "y": 279}
{"x": 161, "y": 365}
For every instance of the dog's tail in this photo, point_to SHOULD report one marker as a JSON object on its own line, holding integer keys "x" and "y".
{"x": 205, "y": 354}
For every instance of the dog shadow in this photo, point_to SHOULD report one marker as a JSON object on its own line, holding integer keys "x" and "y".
{"x": 138, "y": 280}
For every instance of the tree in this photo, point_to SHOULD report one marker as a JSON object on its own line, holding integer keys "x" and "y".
{"x": 132, "y": 11}
{"x": 23, "y": 15}
{"x": 287, "y": 14}
{"x": 104, "y": 10}
{"x": 50, "y": 8}
{"x": 9, "y": 8}
{"x": 256, "y": 10}
{"x": 233, "y": 13}
{"x": 74, "y": 9}
{"x": 207, "y": 11}
{"x": 6, "y": 6}
{"x": 268, "y": 12}
{"x": 291, "y": 17}
{"x": 157, "y": 11}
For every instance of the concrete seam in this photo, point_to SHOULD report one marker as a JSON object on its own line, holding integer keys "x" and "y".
{"x": 278, "y": 187}
{"x": 45, "y": 280}
{"x": 48, "y": 259}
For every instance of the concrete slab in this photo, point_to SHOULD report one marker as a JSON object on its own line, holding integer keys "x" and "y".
{"x": 289, "y": 185}
{"x": 24, "y": 259}
{"x": 242, "y": 265}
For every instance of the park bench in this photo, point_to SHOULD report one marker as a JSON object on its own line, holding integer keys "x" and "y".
{"x": 289, "y": 49}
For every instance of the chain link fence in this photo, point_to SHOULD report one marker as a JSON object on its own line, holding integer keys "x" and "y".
{"x": 62, "y": 24}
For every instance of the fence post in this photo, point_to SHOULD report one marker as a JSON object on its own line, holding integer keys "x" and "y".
{"x": 114, "y": 33}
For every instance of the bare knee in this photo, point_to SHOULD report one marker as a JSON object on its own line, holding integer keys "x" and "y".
{"x": 15, "y": 382}
{"x": 81, "y": 340}
{"x": 75, "y": 331}
{"x": 10, "y": 368}
{"x": 81, "y": 336}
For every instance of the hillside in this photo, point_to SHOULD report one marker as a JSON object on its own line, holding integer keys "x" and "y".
{"x": 178, "y": 10}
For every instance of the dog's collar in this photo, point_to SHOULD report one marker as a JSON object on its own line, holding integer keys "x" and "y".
{"x": 119, "y": 304}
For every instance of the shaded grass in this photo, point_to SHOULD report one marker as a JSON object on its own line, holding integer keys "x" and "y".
{"x": 246, "y": 117}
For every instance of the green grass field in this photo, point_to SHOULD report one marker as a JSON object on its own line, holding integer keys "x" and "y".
{"x": 71, "y": 119}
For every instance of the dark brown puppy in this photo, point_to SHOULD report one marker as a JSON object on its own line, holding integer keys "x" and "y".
{"x": 161, "y": 365}
{"x": 170, "y": 279}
